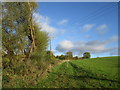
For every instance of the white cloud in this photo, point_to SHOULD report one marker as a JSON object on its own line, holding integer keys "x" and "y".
{"x": 65, "y": 45}
{"x": 87, "y": 27}
{"x": 87, "y": 36}
{"x": 47, "y": 28}
{"x": 114, "y": 53}
{"x": 62, "y": 22}
{"x": 94, "y": 46}
{"x": 102, "y": 29}
{"x": 114, "y": 38}
{"x": 44, "y": 23}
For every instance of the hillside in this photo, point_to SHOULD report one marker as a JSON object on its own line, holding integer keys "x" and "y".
{"x": 91, "y": 73}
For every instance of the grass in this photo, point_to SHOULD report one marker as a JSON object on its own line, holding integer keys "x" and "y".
{"x": 87, "y": 73}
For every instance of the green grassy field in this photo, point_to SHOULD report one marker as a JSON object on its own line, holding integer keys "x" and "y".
{"x": 87, "y": 73}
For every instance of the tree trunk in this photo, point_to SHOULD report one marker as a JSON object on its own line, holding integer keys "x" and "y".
{"x": 32, "y": 34}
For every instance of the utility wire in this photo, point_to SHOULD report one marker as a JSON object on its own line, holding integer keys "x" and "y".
{"x": 94, "y": 14}
{"x": 97, "y": 12}
{"x": 98, "y": 16}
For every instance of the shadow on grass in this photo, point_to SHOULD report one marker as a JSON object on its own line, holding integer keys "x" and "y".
{"x": 89, "y": 77}
{"x": 87, "y": 74}
{"x": 81, "y": 74}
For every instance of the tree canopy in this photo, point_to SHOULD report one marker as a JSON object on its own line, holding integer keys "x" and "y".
{"x": 86, "y": 55}
{"x": 20, "y": 33}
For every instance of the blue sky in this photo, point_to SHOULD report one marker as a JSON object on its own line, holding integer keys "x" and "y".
{"x": 80, "y": 27}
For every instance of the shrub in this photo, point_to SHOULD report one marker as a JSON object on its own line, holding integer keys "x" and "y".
{"x": 62, "y": 57}
{"x": 86, "y": 55}
{"x": 76, "y": 57}
{"x": 5, "y": 62}
{"x": 69, "y": 55}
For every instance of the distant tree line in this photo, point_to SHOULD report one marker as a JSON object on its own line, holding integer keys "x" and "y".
{"x": 69, "y": 56}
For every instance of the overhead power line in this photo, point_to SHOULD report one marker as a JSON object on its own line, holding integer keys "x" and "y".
{"x": 97, "y": 14}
